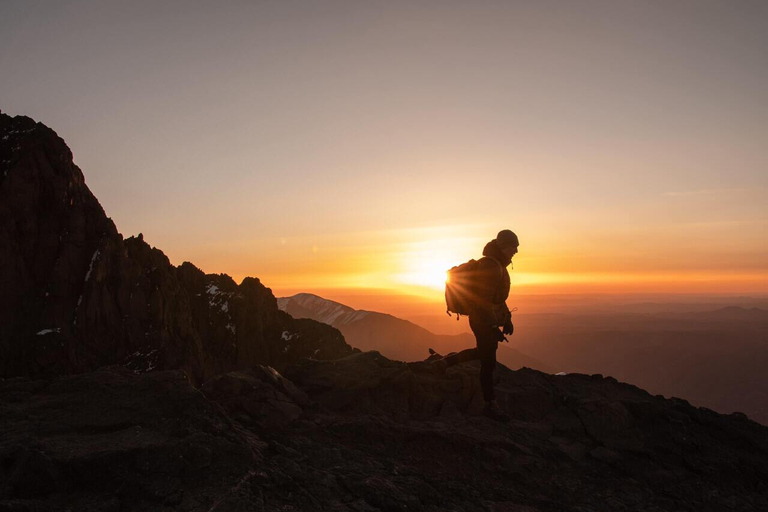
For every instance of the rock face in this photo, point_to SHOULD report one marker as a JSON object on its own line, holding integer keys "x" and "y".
{"x": 75, "y": 295}
{"x": 364, "y": 433}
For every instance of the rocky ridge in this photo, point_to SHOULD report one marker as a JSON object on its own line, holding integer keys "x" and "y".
{"x": 365, "y": 433}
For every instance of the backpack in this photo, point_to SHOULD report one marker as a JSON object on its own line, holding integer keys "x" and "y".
{"x": 461, "y": 288}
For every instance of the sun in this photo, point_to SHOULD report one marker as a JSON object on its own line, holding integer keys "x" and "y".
{"x": 427, "y": 271}
{"x": 421, "y": 265}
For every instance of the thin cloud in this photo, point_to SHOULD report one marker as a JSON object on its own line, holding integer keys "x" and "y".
{"x": 703, "y": 192}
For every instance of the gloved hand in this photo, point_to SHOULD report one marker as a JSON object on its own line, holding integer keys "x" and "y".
{"x": 508, "y": 327}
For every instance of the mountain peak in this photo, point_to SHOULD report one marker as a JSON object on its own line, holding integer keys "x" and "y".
{"x": 308, "y": 305}
{"x": 100, "y": 298}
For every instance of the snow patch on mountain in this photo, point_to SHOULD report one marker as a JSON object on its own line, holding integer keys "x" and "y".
{"x": 322, "y": 310}
{"x": 90, "y": 267}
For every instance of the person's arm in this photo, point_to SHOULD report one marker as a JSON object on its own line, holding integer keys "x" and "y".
{"x": 508, "y": 327}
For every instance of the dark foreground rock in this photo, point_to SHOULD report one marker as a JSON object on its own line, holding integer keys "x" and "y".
{"x": 364, "y": 433}
{"x": 113, "y": 440}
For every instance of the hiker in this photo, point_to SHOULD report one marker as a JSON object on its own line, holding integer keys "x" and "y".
{"x": 489, "y": 316}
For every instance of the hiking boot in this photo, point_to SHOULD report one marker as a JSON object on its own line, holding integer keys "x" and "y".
{"x": 493, "y": 411}
{"x": 439, "y": 366}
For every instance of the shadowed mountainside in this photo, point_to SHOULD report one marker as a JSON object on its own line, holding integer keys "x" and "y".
{"x": 75, "y": 295}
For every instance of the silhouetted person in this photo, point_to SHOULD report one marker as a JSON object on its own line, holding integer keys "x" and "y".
{"x": 489, "y": 317}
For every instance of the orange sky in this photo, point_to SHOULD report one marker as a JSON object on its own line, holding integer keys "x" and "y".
{"x": 705, "y": 258}
{"x": 355, "y": 146}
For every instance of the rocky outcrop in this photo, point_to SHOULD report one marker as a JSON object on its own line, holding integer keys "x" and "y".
{"x": 364, "y": 433}
{"x": 76, "y": 295}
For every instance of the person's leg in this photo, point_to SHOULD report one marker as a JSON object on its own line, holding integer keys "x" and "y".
{"x": 487, "y": 342}
{"x": 487, "y": 350}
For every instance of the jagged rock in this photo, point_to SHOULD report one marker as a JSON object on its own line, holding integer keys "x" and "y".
{"x": 75, "y": 295}
{"x": 259, "y": 396}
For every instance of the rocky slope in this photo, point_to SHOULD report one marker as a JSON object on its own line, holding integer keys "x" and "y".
{"x": 364, "y": 433}
{"x": 76, "y": 295}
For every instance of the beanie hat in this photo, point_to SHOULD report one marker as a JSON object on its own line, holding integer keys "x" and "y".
{"x": 506, "y": 238}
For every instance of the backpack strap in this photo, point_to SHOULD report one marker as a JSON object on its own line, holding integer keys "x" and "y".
{"x": 501, "y": 268}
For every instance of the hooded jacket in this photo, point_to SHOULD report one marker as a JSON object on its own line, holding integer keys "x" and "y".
{"x": 492, "y": 287}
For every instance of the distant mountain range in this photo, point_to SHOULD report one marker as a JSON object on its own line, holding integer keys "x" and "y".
{"x": 714, "y": 358}
{"x": 733, "y": 313}
{"x": 393, "y": 337}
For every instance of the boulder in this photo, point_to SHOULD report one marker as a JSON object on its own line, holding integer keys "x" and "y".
{"x": 258, "y": 396}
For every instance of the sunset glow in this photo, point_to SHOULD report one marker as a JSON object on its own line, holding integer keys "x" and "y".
{"x": 623, "y": 142}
